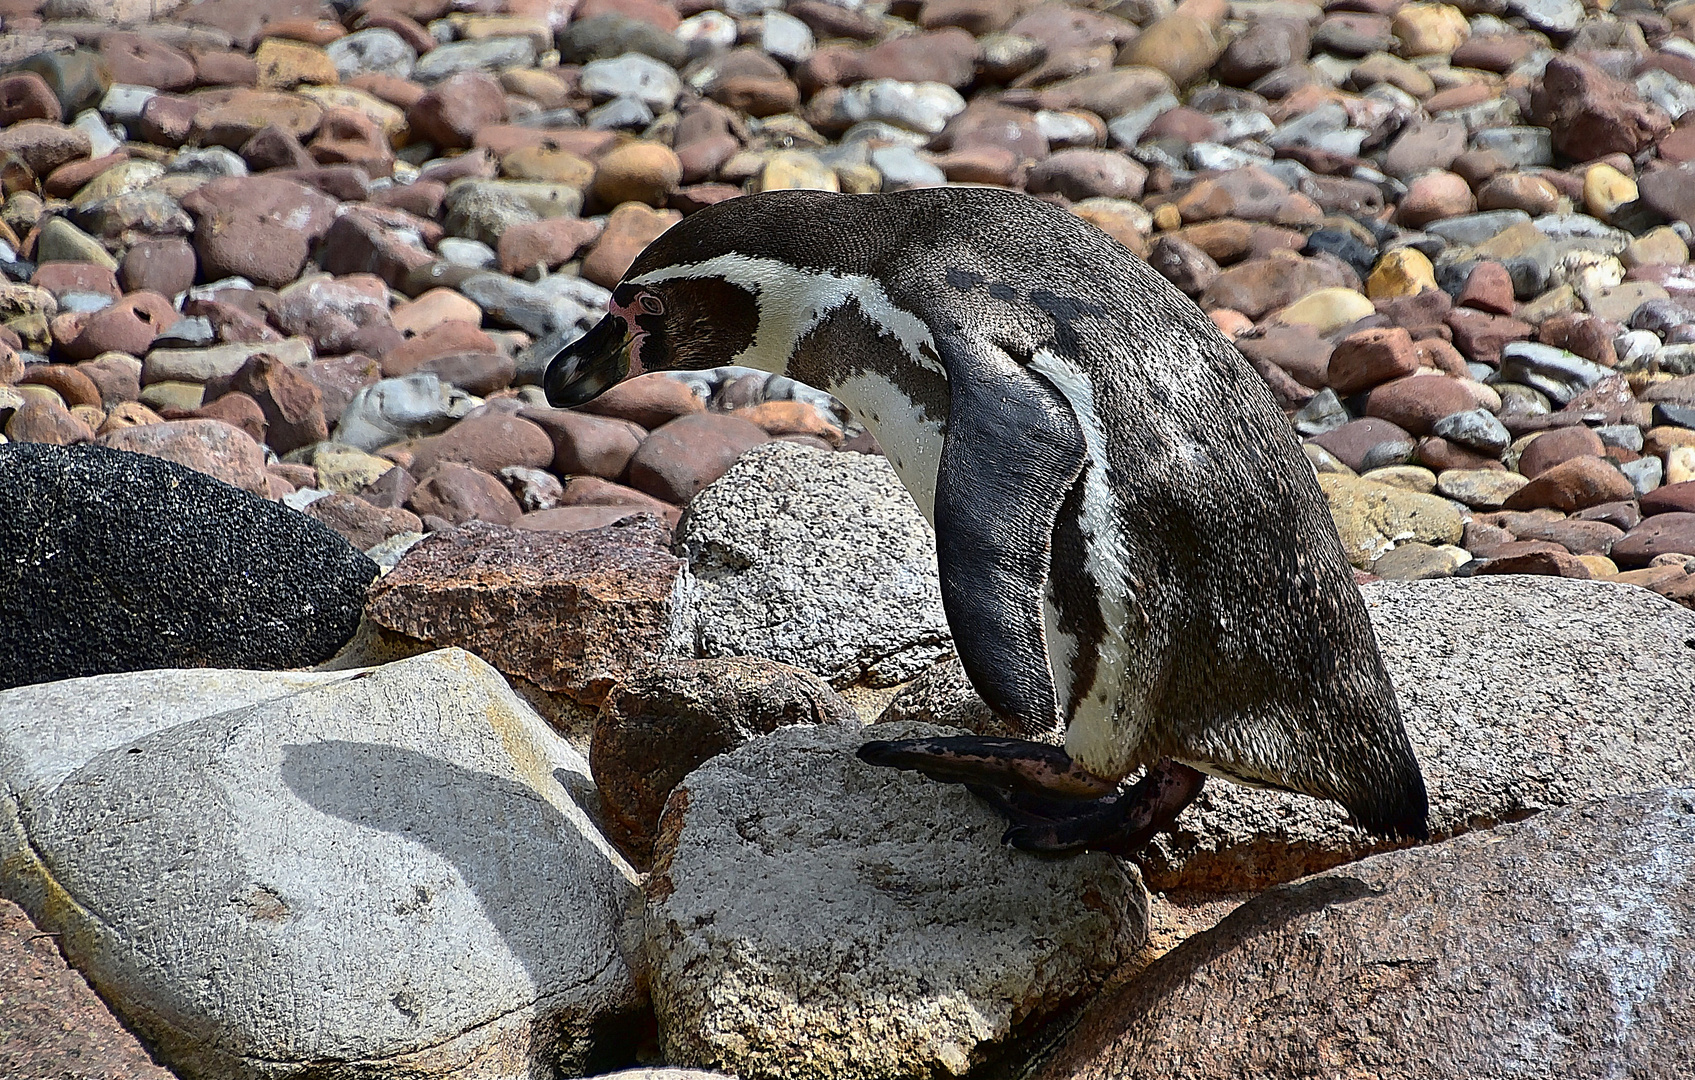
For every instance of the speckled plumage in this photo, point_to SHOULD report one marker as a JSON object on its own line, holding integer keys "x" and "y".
{"x": 1117, "y": 499}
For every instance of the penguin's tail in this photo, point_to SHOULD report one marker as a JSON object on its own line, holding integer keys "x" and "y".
{"x": 1402, "y": 812}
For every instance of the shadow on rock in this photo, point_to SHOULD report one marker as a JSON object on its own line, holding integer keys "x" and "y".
{"x": 518, "y": 875}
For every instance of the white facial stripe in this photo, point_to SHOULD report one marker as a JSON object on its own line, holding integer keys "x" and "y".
{"x": 792, "y": 302}
{"x": 1093, "y": 735}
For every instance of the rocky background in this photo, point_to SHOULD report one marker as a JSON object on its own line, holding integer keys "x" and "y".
{"x": 569, "y": 784}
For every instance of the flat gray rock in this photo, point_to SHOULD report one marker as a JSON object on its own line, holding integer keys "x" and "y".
{"x": 813, "y": 916}
{"x": 818, "y": 560}
{"x": 1555, "y": 947}
{"x": 264, "y": 873}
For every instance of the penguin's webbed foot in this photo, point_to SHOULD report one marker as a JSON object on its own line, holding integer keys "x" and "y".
{"x": 1121, "y": 823}
{"x": 1051, "y": 803}
{"x": 1007, "y": 764}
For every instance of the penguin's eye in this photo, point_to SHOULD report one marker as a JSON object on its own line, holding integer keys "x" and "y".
{"x": 651, "y": 304}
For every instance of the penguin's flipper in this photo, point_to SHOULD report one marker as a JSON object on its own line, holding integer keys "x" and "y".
{"x": 1013, "y": 451}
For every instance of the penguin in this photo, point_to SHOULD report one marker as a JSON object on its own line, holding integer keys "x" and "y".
{"x": 1133, "y": 549}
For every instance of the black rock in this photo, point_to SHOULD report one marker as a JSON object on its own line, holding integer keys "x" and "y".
{"x": 1345, "y": 246}
{"x": 1675, "y": 415}
{"x": 112, "y": 561}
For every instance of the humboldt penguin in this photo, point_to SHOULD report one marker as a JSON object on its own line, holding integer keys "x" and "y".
{"x": 1133, "y": 548}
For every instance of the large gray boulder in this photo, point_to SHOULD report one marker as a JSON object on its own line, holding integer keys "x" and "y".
{"x": 1556, "y": 947}
{"x": 818, "y": 560}
{"x": 376, "y": 873}
{"x": 1520, "y": 694}
{"x": 812, "y": 916}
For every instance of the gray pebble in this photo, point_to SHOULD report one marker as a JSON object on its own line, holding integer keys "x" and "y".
{"x": 485, "y": 54}
{"x": 1476, "y": 428}
{"x": 633, "y": 75}
{"x": 377, "y": 51}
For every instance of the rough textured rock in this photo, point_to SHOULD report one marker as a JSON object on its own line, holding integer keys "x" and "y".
{"x": 111, "y": 561}
{"x": 53, "y": 1025}
{"x": 572, "y": 612}
{"x": 658, "y": 725}
{"x": 265, "y": 872}
{"x": 1553, "y": 947}
{"x": 1519, "y": 695}
{"x": 798, "y": 891}
{"x": 942, "y": 694}
{"x": 817, "y": 560}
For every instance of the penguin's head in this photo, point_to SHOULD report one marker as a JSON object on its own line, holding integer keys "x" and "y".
{"x": 677, "y": 324}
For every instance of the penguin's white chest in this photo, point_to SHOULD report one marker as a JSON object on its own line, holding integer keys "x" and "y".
{"x": 910, "y": 438}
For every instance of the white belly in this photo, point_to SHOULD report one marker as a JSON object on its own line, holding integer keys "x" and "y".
{"x": 911, "y": 441}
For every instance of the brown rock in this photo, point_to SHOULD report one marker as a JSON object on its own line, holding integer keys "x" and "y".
{"x": 451, "y": 113}
{"x": 572, "y": 612}
{"x": 292, "y": 404}
{"x": 488, "y": 439}
{"x": 1557, "y": 447}
{"x": 649, "y": 401}
{"x": 53, "y": 1024}
{"x": 208, "y": 446}
{"x": 1432, "y": 144}
{"x": 1367, "y": 443}
{"x": 1415, "y": 403}
{"x": 548, "y": 243}
{"x": 362, "y": 242}
{"x": 677, "y": 460}
{"x": 235, "y": 409}
{"x": 1544, "y": 563}
{"x": 231, "y": 118}
{"x": 1248, "y": 194}
{"x": 1257, "y": 287}
{"x": 1591, "y": 114}
{"x": 781, "y": 418}
{"x": 1481, "y": 336}
{"x": 117, "y": 377}
{"x": 1588, "y": 336}
{"x": 364, "y": 525}
{"x": 1433, "y": 196}
{"x": 594, "y": 491}
{"x": 1519, "y": 191}
{"x": 73, "y": 386}
{"x": 164, "y": 265}
{"x": 586, "y": 444}
{"x": 1088, "y": 174}
{"x": 1662, "y": 534}
{"x": 45, "y": 419}
{"x": 127, "y": 326}
{"x": 1572, "y": 485}
{"x": 1440, "y": 455}
{"x": 459, "y": 493}
{"x": 1676, "y": 498}
{"x": 1489, "y": 287}
{"x": 225, "y": 67}
{"x": 1296, "y": 350}
{"x": 257, "y": 227}
{"x": 583, "y": 518}
{"x": 1447, "y": 947}
{"x": 349, "y": 137}
{"x": 658, "y": 725}
{"x": 1370, "y": 357}
{"x": 446, "y": 339}
{"x": 1267, "y": 45}
{"x": 630, "y": 228}
{"x": 1671, "y": 191}
{"x": 945, "y": 56}
{"x": 24, "y": 96}
{"x": 1183, "y": 263}
{"x": 141, "y": 60}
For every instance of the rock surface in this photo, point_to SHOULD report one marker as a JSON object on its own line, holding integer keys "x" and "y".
{"x": 816, "y": 560}
{"x": 118, "y": 562}
{"x": 569, "y": 611}
{"x": 265, "y": 872}
{"x": 1549, "y": 947}
{"x": 797, "y": 891}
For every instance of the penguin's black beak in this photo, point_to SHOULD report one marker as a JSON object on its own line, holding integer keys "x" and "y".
{"x": 589, "y": 366}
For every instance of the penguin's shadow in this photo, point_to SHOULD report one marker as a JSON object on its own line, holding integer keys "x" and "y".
{"x": 450, "y": 811}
